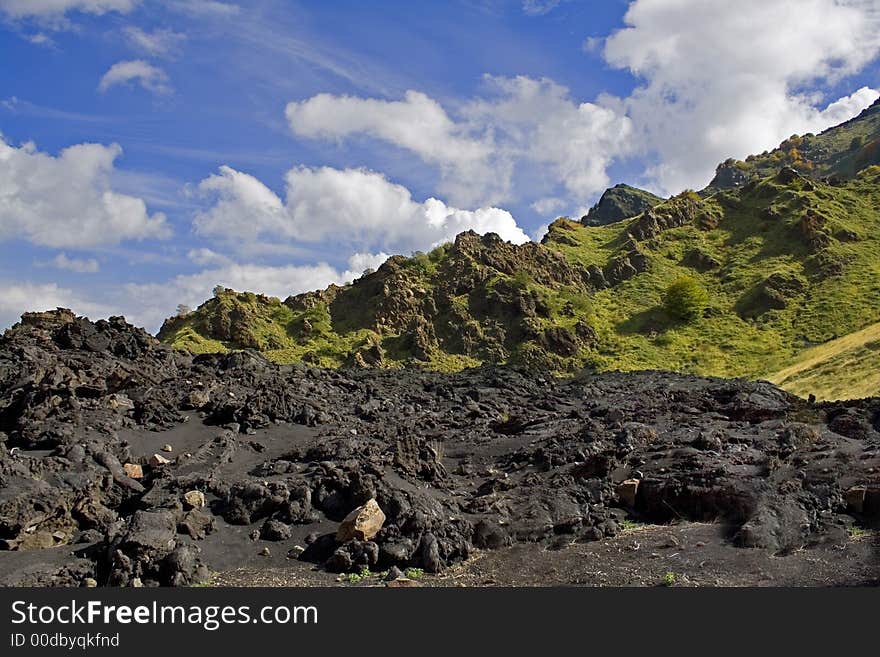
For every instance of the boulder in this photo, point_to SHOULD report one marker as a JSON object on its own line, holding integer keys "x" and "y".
{"x": 195, "y": 499}
{"x": 362, "y": 524}
{"x": 855, "y": 498}
{"x": 627, "y": 491}
{"x": 274, "y": 530}
{"x": 133, "y": 470}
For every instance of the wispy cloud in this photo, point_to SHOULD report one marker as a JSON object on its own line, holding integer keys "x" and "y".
{"x": 76, "y": 265}
{"x": 149, "y": 77}
{"x": 158, "y": 43}
{"x": 16, "y": 105}
{"x": 204, "y": 8}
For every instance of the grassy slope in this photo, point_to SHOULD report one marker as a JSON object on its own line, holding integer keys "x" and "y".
{"x": 840, "y": 369}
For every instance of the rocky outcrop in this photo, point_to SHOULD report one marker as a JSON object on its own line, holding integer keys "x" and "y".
{"x": 618, "y": 203}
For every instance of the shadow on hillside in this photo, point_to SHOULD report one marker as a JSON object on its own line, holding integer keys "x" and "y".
{"x": 652, "y": 320}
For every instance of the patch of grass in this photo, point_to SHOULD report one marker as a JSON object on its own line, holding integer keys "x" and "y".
{"x": 669, "y": 579}
{"x": 354, "y": 578}
{"x": 857, "y": 533}
{"x": 629, "y": 525}
{"x": 414, "y": 573}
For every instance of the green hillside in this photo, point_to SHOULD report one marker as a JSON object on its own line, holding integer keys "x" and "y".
{"x": 787, "y": 261}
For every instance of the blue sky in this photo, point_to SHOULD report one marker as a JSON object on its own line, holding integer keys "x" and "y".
{"x": 152, "y": 149}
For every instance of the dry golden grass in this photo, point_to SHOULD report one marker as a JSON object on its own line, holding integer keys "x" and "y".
{"x": 846, "y": 368}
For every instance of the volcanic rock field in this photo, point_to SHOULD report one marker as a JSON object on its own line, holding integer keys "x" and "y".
{"x": 124, "y": 462}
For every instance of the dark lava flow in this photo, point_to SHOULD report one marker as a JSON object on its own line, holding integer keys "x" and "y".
{"x": 123, "y": 462}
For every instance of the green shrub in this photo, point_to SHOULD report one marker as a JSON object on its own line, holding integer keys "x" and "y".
{"x": 856, "y": 143}
{"x": 686, "y": 299}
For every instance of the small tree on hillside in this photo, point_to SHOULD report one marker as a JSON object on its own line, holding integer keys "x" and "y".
{"x": 686, "y": 299}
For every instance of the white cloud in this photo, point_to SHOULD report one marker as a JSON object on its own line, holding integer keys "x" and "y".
{"x": 725, "y": 79}
{"x": 523, "y": 123}
{"x": 539, "y": 232}
{"x": 54, "y": 8}
{"x": 545, "y": 206}
{"x": 67, "y": 201}
{"x": 19, "y": 297}
{"x": 41, "y": 39}
{"x": 538, "y": 122}
{"x": 361, "y": 262}
{"x": 417, "y": 123}
{"x": 149, "y": 77}
{"x": 352, "y": 208}
{"x": 205, "y": 257}
{"x": 78, "y": 265}
{"x": 156, "y": 43}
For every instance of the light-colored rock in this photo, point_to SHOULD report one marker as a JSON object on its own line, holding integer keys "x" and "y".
{"x": 363, "y": 523}
{"x": 627, "y": 491}
{"x": 90, "y": 583}
{"x": 133, "y": 470}
{"x": 167, "y": 448}
{"x": 855, "y": 498}
{"x": 157, "y": 461}
{"x": 195, "y": 499}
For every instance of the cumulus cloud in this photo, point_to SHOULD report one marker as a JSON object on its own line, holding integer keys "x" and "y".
{"x": 77, "y": 265}
{"x": 52, "y": 8}
{"x": 521, "y": 122}
{"x": 19, "y": 297}
{"x": 537, "y": 121}
{"x": 158, "y": 43}
{"x": 726, "y": 79}
{"x": 67, "y": 201}
{"x": 361, "y": 262}
{"x": 417, "y": 123}
{"x": 353, "y": 208}
{"x": 149, "y": 77}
